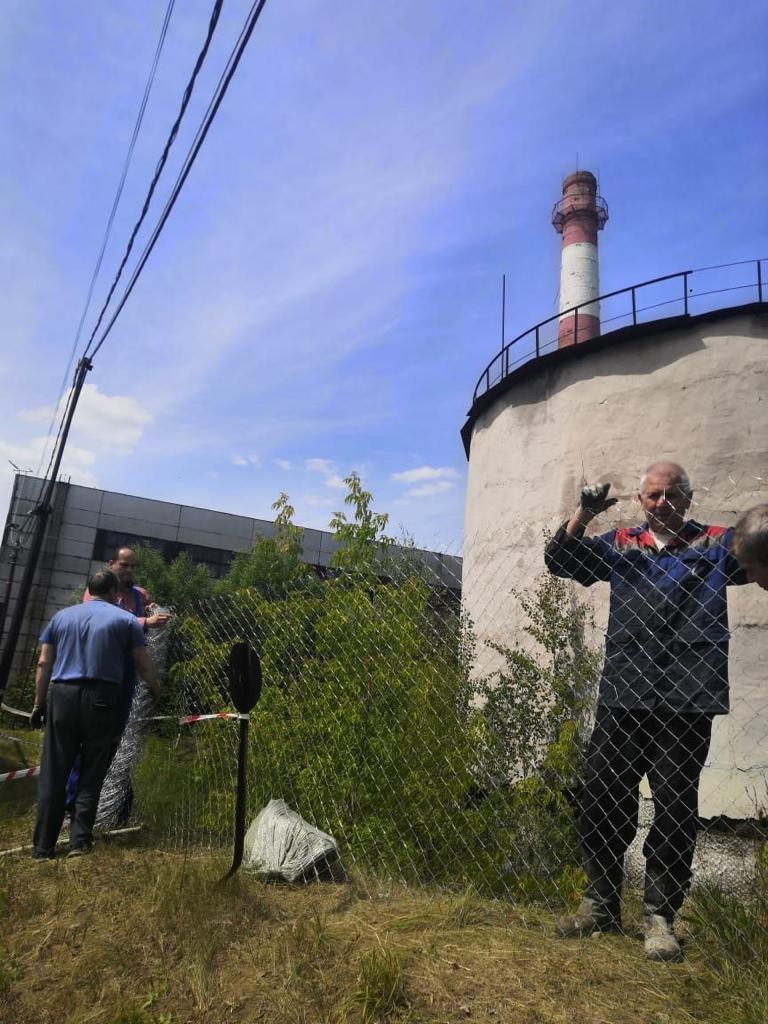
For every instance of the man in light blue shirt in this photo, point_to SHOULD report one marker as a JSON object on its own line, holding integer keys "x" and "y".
{"x": 85, "y": 651}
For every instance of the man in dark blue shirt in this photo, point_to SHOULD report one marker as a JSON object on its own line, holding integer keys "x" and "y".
{"x": 85, "y": 651}
{"x": 664, "y": 677}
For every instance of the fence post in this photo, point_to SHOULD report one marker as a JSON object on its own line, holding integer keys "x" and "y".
{"x": 576, "y": 326}
{"x": 759, "y": 282}
{"x": 634, "y": 308}
{"x": 244, "y": 672}
{"x": 685, "y": 291}
{"x": 537, "y": 341}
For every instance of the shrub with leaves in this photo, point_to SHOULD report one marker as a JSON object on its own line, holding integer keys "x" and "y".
{"x": 370, "y": 724}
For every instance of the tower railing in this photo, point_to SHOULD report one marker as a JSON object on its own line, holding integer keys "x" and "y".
{"x": 686, "y": 293}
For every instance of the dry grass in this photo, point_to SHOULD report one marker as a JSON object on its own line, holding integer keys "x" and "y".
{"x": 19, "y": 748}
{"x": 138, "y": 936}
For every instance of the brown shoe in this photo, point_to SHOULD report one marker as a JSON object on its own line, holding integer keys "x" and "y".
{"x": 661, "y": 943}
{"x": 589, "y": 918}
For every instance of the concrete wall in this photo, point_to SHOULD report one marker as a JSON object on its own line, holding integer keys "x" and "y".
{"x": 696, "y": 394}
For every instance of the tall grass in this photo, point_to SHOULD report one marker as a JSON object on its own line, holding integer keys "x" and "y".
{"x": 732, "y": 937}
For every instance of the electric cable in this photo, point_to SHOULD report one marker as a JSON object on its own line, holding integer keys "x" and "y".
{"x": 210, "y": 115}
{"x": 85, "y": 363}
{"x": 110, "y": 222}
{"x": 186, "y": 97}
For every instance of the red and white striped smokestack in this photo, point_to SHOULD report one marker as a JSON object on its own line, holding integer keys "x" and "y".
{"x": 579, "y": 215}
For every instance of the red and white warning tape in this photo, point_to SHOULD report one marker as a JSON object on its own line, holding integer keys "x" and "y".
{"x": 28, "y": 773}
{"x": 20, "y": 773}
{"x": 190, "y": 719}
{"x": 15, "y": 711}
{"x": 186, "y": 720}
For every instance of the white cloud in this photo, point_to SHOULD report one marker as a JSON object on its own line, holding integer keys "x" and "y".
{"x": 412, "y": 476}
{"x": 315, "y": 501}
{"x": 426, "y": 490}
{"x": 327, "y": 469}
{"x": 112, "y": 421}
{"x": 283, "y": 464}
{"x": 319, "y": 466}
{"x": 246, "y": 460}
{"x": 77, "y": 464}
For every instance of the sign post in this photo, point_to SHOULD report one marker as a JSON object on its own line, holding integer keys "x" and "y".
{"x": 244, "y": 673}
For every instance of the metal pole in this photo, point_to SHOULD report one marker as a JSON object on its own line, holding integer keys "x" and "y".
{"x": 242, "y": 763}
{"x": 14, "y": 561}
{"x": 759, "y": 282}
{"x": 503, "y": 306}
{"x": 634, "y": 308}
{"x": 685, "y": 291}
{"x": 42, "y": 512}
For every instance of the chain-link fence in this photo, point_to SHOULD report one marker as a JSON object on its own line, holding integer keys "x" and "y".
{"x": 451, "y": 741}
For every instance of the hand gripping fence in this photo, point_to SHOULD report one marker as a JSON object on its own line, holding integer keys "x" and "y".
{"x": 571, "y": 718}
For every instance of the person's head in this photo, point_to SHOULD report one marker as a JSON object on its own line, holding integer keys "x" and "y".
{"x": 104, "y": 584}
{"x": 123, "y": 564}
{"x": 750, "y": 544}
{"x": 665, "y": 495}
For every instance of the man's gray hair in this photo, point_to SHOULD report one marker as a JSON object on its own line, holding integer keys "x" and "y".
{"x": 102, "y": 583}
{"x": 672, "y": 469}
{"x": 750, "y": 538}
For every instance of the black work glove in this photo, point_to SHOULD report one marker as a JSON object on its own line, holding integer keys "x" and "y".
{"x": 37, "y": 718}
{"x": 594, "y": 499}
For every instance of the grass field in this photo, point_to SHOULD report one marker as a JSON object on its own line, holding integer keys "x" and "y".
{"x": 133, "y": 935}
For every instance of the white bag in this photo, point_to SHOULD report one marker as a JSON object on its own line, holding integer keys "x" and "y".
{"x": 281, "y": 844}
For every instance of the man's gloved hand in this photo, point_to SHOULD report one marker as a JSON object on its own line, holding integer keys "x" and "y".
{"x": 594, "y": 499}
{"x": 37, "y": 718}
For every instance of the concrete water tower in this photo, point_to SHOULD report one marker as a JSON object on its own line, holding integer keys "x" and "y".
{"x": 681, "y": 375}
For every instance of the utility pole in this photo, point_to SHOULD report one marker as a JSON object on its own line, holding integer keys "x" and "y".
{"x": 42, "y": 514}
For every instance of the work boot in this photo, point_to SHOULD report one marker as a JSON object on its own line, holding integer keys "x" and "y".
{"x": 660, "y": 941}
{"x": 80, "y": 851}
{"x": 590, "y": 917}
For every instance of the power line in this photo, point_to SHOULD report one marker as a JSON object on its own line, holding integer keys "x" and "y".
{"x": 85, "y": 363}
{"x": 210, "y": 115}
{"x": 186, "y": 97}
{"x": 110, "y": 222}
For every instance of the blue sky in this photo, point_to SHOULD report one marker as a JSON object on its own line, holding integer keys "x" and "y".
{"x": 328, "y": 287}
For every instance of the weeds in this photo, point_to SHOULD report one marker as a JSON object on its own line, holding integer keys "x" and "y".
{"x": 466, "y": 910}
{"x": 732, "y": 936}
{"x": 381, "y": 985}
{"x": 153, "y": 938}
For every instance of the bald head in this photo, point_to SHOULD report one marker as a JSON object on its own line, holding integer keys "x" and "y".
{"x": 669, "y": 471}
{"x": 665, "y": 495}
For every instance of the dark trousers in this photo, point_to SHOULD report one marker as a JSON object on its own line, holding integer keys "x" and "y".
{"x": 671, "y": 748}
{"x": 127, "y": 691}
{"x": 83, "y": 719}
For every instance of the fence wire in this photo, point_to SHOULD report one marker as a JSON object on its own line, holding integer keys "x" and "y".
{"x": 448, "y": 743}
{"x": 497, "y": 740}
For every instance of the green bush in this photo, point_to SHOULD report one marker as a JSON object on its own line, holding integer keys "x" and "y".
{"x": 371, "y": 725}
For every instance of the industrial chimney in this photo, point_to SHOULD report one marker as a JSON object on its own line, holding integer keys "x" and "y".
{"x": 578, "y": 216}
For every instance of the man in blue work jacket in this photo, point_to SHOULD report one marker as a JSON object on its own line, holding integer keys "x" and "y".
{"x": 664, "y": 678}
{"x": 85, "y": 652}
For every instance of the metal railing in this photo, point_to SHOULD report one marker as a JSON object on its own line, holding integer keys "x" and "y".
{"x": 671, "y": 290}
